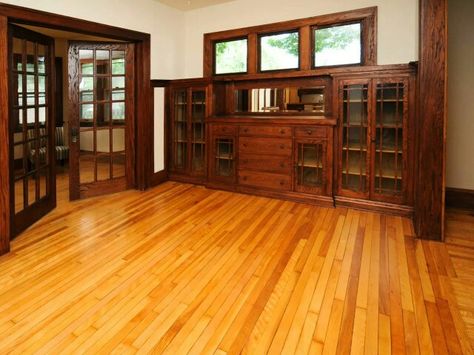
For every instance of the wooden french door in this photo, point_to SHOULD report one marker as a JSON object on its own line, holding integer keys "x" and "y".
{"x": 101, "y": 92}
{"x": 33, "y": 181}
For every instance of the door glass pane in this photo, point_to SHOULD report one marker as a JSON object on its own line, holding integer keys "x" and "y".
{"x": 86, "y": 168}
{"x": 103, "y": 167}
{"x": 30, "y": 89}
{"x": 86, "y": 89}
{"x": 103, "y": 114}
{"x": 41, "y": 59}
{"x": 86, "y": 112}
{"x": 118, "y": 111}
{"x": 118, "y": 161}
{"x": 103, "y": 140}
{"x": 118, "y": 82}
{"x": 17, "y": 54}
{"x": 43, "y": 176}
{"x": 86, "y": 60}
{"x": 102, "y": 62}
{"x": 31, "y": 114}
{"x": 118, "y": 62}
{"x": 18, "y": 195}
{"x": 30, "y": 57}
{"x": 31, "y": 189}
{"x": 103, "y": 89}
{"x": 118, "y": 140}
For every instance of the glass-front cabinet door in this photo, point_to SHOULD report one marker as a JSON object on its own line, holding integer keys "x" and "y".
{"x": 373, "y": 139}
{"x": 354, "y": 138}
{"x": 180, "y": 129}
{"x": 310, "y": 169}
{"x": 389, "y": 128}
{"x": 188, "y": 123}
{"x": 198, "y": 130}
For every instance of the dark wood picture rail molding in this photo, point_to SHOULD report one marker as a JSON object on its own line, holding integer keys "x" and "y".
{"x": 143, "y": 103}
{"x": 432, "y": 102}
{"x": 367, "y": 17}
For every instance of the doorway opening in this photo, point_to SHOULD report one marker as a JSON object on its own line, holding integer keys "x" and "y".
{"x": 35, "y": 125}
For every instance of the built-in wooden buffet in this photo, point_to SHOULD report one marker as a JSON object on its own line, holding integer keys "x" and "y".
{"x": 340, "y": 138}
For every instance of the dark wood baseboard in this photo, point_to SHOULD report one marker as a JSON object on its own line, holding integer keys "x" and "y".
{"x": 381, "y": 207}
{"x": 159, "y": 178}
{"x": 460, "y": 198}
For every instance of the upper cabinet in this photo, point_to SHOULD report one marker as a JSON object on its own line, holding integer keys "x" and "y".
{"x": 375, "y": 124}
{"x": 187, "y": 142}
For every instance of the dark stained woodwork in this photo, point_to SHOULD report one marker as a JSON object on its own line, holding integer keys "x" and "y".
{"x": 460, "y": 198}
{"x": 144, "y": 115}
{"x": 58, "y": 91}
{"x": 280, "y": 182}
{"x": 367, "y": 16}
{"x": 431, "y": 130}
{"x": 112, "y": 184}
{"x": 28, "y": 16}
{"x": 4, "y": 141}
{"x": 33, "y": 209}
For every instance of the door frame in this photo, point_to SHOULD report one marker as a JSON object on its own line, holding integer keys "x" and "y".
{"x": 143, "y": 96}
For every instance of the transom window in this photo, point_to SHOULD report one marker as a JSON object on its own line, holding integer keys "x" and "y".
{"x": 230, "y": 56}
{"x": 304, "y": 44}
{"x": 338, "y": 45}
{"x": 279, "y": 51}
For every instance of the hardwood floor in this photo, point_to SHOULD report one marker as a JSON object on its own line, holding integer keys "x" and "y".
{"x": 182, "y": 269}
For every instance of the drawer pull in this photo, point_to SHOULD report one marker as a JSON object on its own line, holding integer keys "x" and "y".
{"x": 309, "y": 132}
{"x": 282, "y": 131}
{"x": 246, "y": 130}
{"x": 245, "y": 145}
{"x": 282, "y": 146}
{"x": 282, "y": 183}
{"x": 282, "y": 165}
{"x": 244, "y": 178}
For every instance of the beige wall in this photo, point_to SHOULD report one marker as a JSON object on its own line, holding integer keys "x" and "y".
{"x": 397, "y": 24}
{"x": 460, "y": 130}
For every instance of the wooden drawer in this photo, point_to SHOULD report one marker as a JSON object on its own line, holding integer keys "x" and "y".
{"x": 223, "y": 129}
{"x": 265, "y": 180}
{"x": 265, "y": 131}
{"x": 268, "y": 163}
{"x": 268, "y": 146}
{"x": 311, "y": 132}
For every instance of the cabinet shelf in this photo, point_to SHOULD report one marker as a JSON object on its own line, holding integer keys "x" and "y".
{"x": 224, "y": 157}
{"x": 355, "y": 125}
{"x": 314, "y": 165}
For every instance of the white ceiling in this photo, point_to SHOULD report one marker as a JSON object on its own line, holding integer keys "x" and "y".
{"x": 192, "y": 4}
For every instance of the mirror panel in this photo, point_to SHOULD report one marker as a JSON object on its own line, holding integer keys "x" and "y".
{"x": 309, "y": 100}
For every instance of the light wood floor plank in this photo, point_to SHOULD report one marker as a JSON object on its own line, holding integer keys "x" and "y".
{"x": 182, "y": 269}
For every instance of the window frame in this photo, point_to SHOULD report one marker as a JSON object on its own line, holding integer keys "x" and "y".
{"x": 259, "y": 50}
{"x": 366, "y": 16}
{"x": 313, "y": 45}
{"x": 214, "y": 61}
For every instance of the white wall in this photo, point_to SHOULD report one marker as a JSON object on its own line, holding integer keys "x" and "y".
{"x": 460, "y": 130}
{"x": 397, "y": 24}
{"x": 165, "y": 24}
